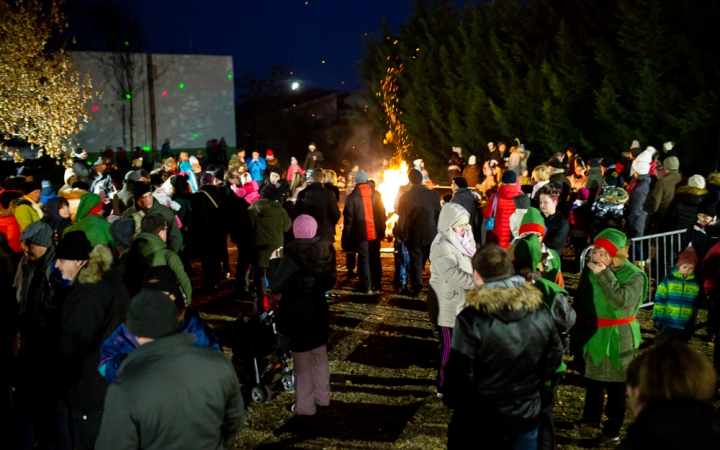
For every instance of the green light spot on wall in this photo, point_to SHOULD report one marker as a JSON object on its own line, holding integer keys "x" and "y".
{"x": 181, "y": 85}
{"x": 229, "y": 76}
{"x": 128, "y": 96}
{"x": 195, "y": 135}
{"x": 127, "y": 44}
{"x": 146, "y": 148}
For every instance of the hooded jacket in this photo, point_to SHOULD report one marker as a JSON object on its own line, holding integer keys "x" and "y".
{"x": 10, "y": 226}
{"x": 361, "y": 202}
{"x": 69, "y": 173}
{"x": 682, "y": 211}
{"x": 320, "y": 204}
{"x": 123, "y": 199}
{"x": 269, "y": 221}
{"x": 637, "y": 208}
{"x": 664, "y": 191}
{"x": 450, "y": 266}
{"x": 175, "y": 237}
{"x": 95, "y": 227}
{"x": 256, "y": 168}
{"x": 96, "y": 306}
{"x": 675, "y": 301}
{"x": 505, "y": 346}
{"x": 26, "y": 213}
{"x": 307, "y": 270}
{"x": 505, "y": 208}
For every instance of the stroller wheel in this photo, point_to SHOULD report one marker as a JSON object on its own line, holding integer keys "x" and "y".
{"x": 261, "y": 394}
{"x": 287, "y": 382}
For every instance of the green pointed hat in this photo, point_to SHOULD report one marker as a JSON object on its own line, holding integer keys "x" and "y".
{"x": 611, "y": 240}
{"x": 533, "y": 221}
{"x": 88, "y": 202}
{"x": 528, "y": 249}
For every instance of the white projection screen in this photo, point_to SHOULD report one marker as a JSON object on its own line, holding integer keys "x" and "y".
{"x": 194, "y": 101}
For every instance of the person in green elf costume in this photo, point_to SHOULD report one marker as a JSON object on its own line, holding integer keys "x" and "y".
{"x": 534, "y": 223}
{"x": 89, "y": 220}
{"x": 528, "y": 263}
{"x": 607, "y": 334}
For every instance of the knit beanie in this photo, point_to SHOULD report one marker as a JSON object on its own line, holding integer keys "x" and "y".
{"x": 671, "y": 163}
{"x": 361, "y": 177}
{"x": 29, "y": 186}
{"x": 460, "y": 182}
{"x": 607, "y": 161}
{"x": 304, "y": 227}
{"x": 533, "y": 222}
{"x": 293, "y": 160}
{"x": 696, "y": 181}
{"x": 123, "y": 230}
{"x": 152, "y": 315}
{"x": 7, "y": 196}
{"x": 163, "y": 278}
{"x": 528, "y": 249}
{"x": 509, "y": 177}
{"x": 39, "y": 233}
{"x": 415, "y": 176}
{"x": 641, "y": 167}
{"x": 74, "y": 246}
{"x": 139, "y": 189}
{"x": 668, "y": 146}
{"x": 522, "y": 201}
{"x": 611, "y": 240}
{"x": 268, "y": 192}
{"x": 462, "y": 220}
{"x": 707, "y": 207}
{"x": 583, "y": 194}
{"x": 472, "y": 160}
{"x": 219, "y": 174}
{"x": 556, "y": 164}
{"x": 635, "y": 144}
{"x": 689, "y": 256}
{"x": 647, "y": 155}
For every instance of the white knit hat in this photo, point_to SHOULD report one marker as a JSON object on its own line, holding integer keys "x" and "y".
{"x": 647, "y": 155}
{"x": 641, "y": 167}
{"x": 668, "y": 146}
{"x": 697, "y": 181}
{"x": 472, "y": 160}
{"x": 293, "y": 159}
{"x": 635, "y": 144}
{"x": 417, "y": 162}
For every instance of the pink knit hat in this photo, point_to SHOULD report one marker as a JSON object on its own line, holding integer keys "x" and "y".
{"x": 304, "y": 227}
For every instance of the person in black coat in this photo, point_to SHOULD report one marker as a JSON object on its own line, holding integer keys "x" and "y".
{"x": 637, "y": 210}
{"x": 704, "y": 233}
{"x": 359, "y": 230}
{"x": 234, "y": 211}
{"x": 320, "y": 204}
{"x": 307, "y": 270}
{"x": 95, "y": 307}
{"x": 465, "y": 197}
{"x": 169, "y": 392}
{"x": 560, "y": 181}
{"x": 208, "y": 230}
{"x": 494, "y": 401}
{"x": 418, "y": 212}
{"x": 557, "y": 225}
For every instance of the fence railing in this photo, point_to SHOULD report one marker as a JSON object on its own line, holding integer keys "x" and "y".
{"x": 655, "y": 253}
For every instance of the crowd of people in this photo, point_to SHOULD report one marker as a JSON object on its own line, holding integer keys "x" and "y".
{"x": 96, "y": 283}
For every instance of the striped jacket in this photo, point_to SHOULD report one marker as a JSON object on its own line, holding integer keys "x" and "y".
{"x": 675, "y": 300}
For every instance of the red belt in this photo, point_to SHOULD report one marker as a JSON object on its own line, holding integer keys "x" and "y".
{"x": 602, "y": 323}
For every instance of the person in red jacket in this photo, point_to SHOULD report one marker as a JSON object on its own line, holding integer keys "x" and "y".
{"x": 500, "y": 234}
{"x": 8, "y": 223}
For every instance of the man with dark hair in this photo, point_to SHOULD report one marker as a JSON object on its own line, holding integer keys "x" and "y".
{"x": 505, "y": 346}
{"x": 149, "y": 249}
{"x": 145, "y": 203}
{"x": 418, "y": 212}
{"x": 169, "y": 392}
{"x": 320, "y": 204}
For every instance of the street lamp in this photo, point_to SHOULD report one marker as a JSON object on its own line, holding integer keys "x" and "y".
{"x": 295, "y": 86}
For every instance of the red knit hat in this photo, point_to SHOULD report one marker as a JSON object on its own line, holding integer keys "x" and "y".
{"x": 269, "y": 154}
{"x": 689, "y": 256}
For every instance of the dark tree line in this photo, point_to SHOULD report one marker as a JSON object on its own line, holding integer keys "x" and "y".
{"x": 594, "y": 74}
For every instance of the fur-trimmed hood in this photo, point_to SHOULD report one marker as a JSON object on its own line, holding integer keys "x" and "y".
{"x": 511, "y": 294}
{"x": 692, "y": 191}
{"x": 714, "y": 179}
{"x": 98, "y": 265}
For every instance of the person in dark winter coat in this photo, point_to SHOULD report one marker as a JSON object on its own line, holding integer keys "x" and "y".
{"x": 314, "y": 158}
{"x": 560, "y": 181}
{"x": 57, "y": 215}
{"x": 505, "y": 320}
{"x": 145, "y": 203}
{"x": 199, "y": 406}
{"x": 637, "y": 209}
{"x": 471, "y": 172}
{"x": 557, "y": 225}
{"x": 672, "y": 408}
{"x": 418, "y": 212}
{"x": 320, "y": 204}
{"x": 665, "y": 189}
{"x": 682, "y": 211}
{"x": 465, "y": 197}
{"x": 360, "y": 232}
{"x": 96, "y": 306}
{"x": 307, "y": 270}
{"x": 235, "y": 214}
{"x": 330, "y": 183}
{"x": 81, "y": 167}
{"x": 276, "y": 176}
{"x": 705, "y": 232}
{"x": 208, "y": 232}
{"x": 269, "y": 222}
{"x": 183, "y": 197}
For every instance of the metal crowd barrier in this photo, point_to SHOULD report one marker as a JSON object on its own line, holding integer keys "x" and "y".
{"x": 657, "y": 254}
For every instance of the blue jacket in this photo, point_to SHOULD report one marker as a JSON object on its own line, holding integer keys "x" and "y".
{"x": 256, "y": 168}
{"x": 121, "y": 342}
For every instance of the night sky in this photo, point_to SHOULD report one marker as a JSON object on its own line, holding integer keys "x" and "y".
{"x": 262, "y": 33}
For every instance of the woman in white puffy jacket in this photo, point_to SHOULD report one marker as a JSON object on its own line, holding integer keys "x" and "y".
{"x": 451, "y": 273}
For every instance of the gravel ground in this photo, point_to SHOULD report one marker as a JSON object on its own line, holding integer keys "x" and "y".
{"x": 383, "y": 357}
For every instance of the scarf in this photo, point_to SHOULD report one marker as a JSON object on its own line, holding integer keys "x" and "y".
{"x": 466, "y": 244}
{"x": 366, "y": 195}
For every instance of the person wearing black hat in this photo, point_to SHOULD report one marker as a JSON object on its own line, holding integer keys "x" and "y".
{"x": 145, "y": 203}
{"x": 95, "y": 307}
{"x": 418, "y": 212}
{"x": 29, "y": 208}
{"x": 705, "y": 232}
{"x": 465, "y": 197}
{"x": 144, "y": 403}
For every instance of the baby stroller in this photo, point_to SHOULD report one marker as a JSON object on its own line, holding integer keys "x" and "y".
{"x": 259, "y": 349}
